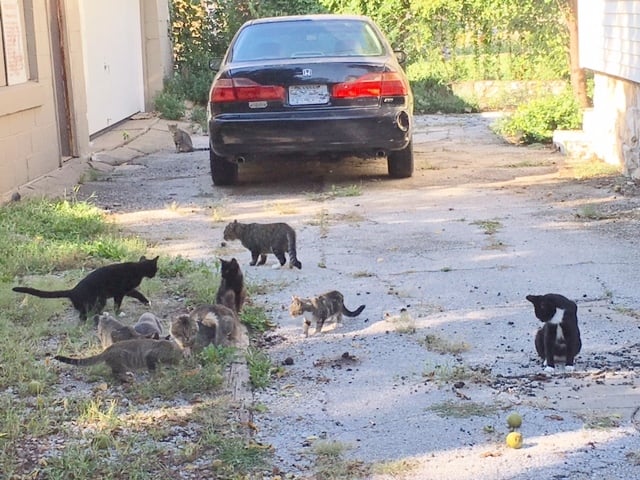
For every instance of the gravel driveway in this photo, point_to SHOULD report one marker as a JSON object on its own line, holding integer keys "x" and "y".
{"x": 420, "y": 384}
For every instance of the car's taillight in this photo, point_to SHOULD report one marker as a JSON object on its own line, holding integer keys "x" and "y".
{"x": 244, "y": 90}
{"x": 388, "y": 84}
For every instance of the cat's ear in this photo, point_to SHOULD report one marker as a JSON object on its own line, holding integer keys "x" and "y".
{"x": 155, "y": 260}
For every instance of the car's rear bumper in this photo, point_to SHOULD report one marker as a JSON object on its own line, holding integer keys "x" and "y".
{"x": 355, "y": 131}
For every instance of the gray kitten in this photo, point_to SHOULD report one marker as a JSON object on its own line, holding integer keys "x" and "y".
{"x": 133, "y": 354}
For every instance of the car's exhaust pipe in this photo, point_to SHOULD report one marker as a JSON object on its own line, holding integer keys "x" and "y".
{"x": 240, "y": 160}
{"x": 402, "y": 121}
{"x": 381, "y": 154}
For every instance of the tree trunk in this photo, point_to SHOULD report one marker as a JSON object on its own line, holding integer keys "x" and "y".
{"x": 578, "y": 78}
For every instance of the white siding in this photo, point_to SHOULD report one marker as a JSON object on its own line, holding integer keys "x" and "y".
{"x": 610, "y": 37}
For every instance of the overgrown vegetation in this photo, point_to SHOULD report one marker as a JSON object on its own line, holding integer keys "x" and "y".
{"x": 66, "y": 422}
{"x": 445, "y": 41}
{"x": 535, "y": 121}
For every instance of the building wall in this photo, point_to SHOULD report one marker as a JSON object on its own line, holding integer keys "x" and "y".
{"x": 29, "y": 144}
{"x": 29, "y": 124}
{"x": 609, "y": 45}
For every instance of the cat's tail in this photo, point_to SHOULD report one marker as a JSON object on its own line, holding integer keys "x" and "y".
{"x": 43, "y": 293}
{"x": 355, "y": 313}
{"x": 80, "y": 362}
{"x": 293, "y": 255}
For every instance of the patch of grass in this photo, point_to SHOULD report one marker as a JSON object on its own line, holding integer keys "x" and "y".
{"x": 454, "y": 373}
{"x": 437, "y": 344}
{"x": 218, "y": 214}
{"x": 363, "y": 274}
{"x": 396, "y": 468}
{"x": 217, "y": 355}
{"x": 336, "y": 191}
{"x": 489, "y": 227}
{"x": 281, "y": 208}
{"x": 101, "y": 428}
{"x": 39, "y": 237}
{"x": 602, "y": 421}
{"x": 527, "y": 164}
{"x": 198, "y": 116}
{"x": 403, "y": 323}
{"x": 590, "y": 212}
{"x": 256, "y": 319}
{"x": 630, "y": 312}
{"x": 633, "y": 457}
{"x": 260, "y": 368}
{"x": 592, "y": 168}
{"x": 463, "y": 409}
{"x": 170, "y": 106}
{"x": 330, "y": 463}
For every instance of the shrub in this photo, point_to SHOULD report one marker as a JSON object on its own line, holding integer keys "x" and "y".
{"x": 536, "y": 120}
{"x": 170, "y": 106}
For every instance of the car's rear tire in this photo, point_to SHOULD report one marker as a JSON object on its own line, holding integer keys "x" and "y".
{"x": 223, "y": 172}
{"x": 400, "y": 162}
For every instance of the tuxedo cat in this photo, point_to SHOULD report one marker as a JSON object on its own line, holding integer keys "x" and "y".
{"x": 112, "y": 281}
{"x": 559, "y": 337}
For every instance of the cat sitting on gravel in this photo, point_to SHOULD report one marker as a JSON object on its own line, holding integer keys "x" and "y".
{"x": 321, "y": 308}
{"x": 558, "y": 340}
{"x": 263, "y": 238}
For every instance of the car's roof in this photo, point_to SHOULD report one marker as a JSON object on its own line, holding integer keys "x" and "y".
{"x": 319, "y": 16}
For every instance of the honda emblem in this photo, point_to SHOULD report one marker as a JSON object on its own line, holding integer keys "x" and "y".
{"x": 306, "y": 72}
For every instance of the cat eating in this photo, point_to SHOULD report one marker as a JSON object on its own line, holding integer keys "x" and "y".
{"x": 263, "y": 238}
{"x": 320, "y": 309}
{"x": 559, "y": 338}
{"x": 112, "y": 281}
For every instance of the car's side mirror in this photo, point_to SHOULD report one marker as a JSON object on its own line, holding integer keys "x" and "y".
{"x": 400, "y": 55}
{"x": 214, "y": 64}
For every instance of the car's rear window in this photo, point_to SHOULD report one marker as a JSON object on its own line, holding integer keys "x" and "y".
{"x": 305, "y": 39}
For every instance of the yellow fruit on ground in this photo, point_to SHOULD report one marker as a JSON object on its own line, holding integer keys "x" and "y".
{"x": 514, "y": 420}
{"x": 514, "y": 440}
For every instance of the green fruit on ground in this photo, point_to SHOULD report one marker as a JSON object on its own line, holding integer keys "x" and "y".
{"x": 514, "y": 420}
{"x": 514, "y": 440}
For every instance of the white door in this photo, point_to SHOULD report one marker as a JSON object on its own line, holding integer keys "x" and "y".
{"x": 112, "y": 43}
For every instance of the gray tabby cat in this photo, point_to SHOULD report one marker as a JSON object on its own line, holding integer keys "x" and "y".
{"x": 182, "y": 139}
{"x": 263, "y": 238}
{"x": 208, "y": 324}
{"x": 321, "y": 308}
{"x": 133, "y": 354}
{"x": 149, "y": 326}
{"x": 111, "y": 330}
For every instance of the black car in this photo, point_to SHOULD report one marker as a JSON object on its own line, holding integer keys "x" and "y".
{"x": 312, "y": 84}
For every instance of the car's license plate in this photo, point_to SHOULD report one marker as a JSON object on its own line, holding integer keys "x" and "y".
{"x": 308, "y": 95}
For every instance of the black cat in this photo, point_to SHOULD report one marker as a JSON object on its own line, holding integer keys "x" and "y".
{"x": 559, "y": 337}
{"x": 112, "y": 281}
{"x": 231, "y": 278}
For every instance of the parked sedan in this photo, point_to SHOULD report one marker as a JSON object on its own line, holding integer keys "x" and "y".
{"x": 309, "y": 85}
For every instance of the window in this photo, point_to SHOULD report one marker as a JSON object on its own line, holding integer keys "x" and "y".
{"x": 14, "y": 58}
